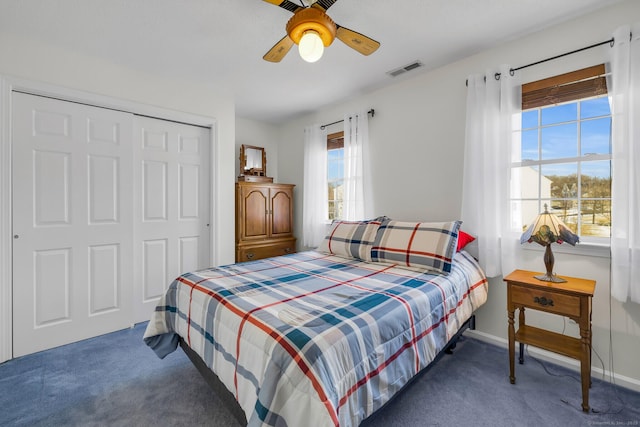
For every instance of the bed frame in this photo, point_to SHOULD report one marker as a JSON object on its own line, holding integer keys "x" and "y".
{"x": 230, "y": 402}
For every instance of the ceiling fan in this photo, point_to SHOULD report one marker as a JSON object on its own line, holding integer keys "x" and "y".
{"x": 313, "y": 30}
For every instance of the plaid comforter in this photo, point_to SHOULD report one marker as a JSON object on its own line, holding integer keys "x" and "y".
{"x": 311, "y": 338}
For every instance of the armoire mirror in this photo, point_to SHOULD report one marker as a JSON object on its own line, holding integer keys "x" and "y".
{"x": 253, "y": 160}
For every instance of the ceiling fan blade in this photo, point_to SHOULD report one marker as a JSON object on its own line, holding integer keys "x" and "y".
{"x": 279, "y": 50}
{"x": 324, "y": 4}
{"x": 357, "y": 41}
{"x": 285, "y": 4}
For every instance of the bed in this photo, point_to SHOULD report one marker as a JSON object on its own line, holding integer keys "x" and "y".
{"x": 330, "y": 334}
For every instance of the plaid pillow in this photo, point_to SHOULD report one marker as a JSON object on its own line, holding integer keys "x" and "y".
{"x": 417, "y": 245}
{"x": 351, "y": 239}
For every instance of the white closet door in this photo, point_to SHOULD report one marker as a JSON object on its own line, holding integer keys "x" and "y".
{"x": 72, "y": 222}
{"x": 172, "y": 206}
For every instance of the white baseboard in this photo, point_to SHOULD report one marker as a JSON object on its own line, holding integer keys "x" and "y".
{"x": 573, "y": 364}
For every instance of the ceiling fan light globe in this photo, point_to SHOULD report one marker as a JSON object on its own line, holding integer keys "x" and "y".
{"x": 311, "y": 46}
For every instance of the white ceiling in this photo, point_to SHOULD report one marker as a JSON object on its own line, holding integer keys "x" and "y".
{"x": 222, "y": 41}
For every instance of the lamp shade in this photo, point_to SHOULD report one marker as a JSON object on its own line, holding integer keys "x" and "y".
{"x": 545, "y": 230}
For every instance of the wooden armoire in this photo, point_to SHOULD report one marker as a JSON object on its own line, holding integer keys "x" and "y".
{"x": 264, "y": 220}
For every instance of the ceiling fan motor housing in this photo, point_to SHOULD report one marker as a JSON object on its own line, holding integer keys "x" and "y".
{"x": 312, "y": 19}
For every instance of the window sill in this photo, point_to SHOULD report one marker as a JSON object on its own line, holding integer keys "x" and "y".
{"x": 585, "y": 249}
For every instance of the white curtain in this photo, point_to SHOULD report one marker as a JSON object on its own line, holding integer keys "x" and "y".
{"x": 358, "y": 193}
{"x": 624, "y": 91}
{"x": 315, "y": 211}
{"x": 492, "y": 124}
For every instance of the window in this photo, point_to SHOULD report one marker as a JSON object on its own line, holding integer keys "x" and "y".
{"x": 564, "y": 155}
{"x": 335, "y": 174}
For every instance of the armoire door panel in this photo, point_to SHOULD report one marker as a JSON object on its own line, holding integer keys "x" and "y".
{"x": 281, "y": 205}
{"x": 256, "y": 211}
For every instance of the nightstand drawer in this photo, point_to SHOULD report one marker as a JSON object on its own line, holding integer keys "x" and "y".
{"x": 552, "y": 302}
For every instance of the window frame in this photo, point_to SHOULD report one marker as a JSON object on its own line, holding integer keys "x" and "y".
{"x": 571, "y": 87}
{"x": 335, "y": 141}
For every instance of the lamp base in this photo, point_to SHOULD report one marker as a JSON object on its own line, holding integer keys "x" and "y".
{"x": 548, "y": 263}
{"x": 550, "y": 278}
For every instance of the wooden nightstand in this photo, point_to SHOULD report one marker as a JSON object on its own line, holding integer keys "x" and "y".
{"x": 571, "y": 299}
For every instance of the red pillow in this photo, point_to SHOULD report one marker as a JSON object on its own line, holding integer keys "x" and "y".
{"x": 464, "y": 239}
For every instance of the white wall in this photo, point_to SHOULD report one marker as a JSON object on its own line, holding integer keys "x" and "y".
{"x": 417, "y": 142}
{"x": 38, "y": 62}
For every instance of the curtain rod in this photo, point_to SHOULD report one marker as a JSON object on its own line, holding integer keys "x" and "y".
{"x": 513, "y": 70}
{"x": 371, "y": 111}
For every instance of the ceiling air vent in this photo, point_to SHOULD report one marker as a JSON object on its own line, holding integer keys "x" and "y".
{"x": 402, "y": 70}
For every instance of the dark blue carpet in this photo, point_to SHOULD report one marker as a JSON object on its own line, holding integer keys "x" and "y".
{"x": 115, "y": 380}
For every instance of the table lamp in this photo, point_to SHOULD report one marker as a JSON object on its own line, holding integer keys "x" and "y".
{"x": 545, "y": 230}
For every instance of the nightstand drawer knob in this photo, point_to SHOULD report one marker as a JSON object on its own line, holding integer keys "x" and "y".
{"x": 543, "y": 301}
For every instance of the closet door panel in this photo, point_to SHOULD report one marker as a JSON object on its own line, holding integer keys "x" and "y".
{"x": 52, "y": 287}
{"x": 72, "y": 246}
{"x": 154, "y": 271}
{"x": 154, "y": 191}
{"x": 104, "y": 200}
{"x": 108, "y": 208}
{"x": 172, "y": 207}
{"x": 104, "y": 278}
{"x": 51, "y": 188}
